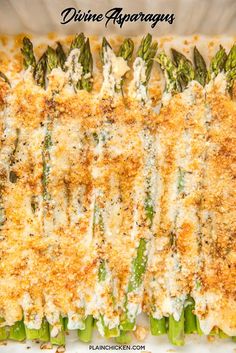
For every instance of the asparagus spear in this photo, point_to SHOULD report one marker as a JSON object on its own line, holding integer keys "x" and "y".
{"x": 17, "y": 331}
{"x": 184, "y": 68}
{"x": 158, "y": 326}
{"x": 218, "y": 62}
{"x": 59, "y": 339}
{"x": 72, "y": 64}
{"x": 170, "y": 72}
{"x": 86, "y": 61}
{"x": 77, "y": 42}
{"x": 200, "y": 67}
{"x": 175, "y": 330}
{"x": 61, "y": 55}
{"x": 86, "y": 334}
{"x": 125, "y": 51}
{"x": 138, "y": 269}
{"x": 4, "y": 78}
{"x": 41, "y": 334}
{"x": 147, "y": 51}
{"x": 53, "y": 60}
{"x": 28, "y": 54}
{"x": 190, "y": 324}
{"x": 3, "y": 331}
{"x": 123, "y": 338}
{"x": 40, "y": 71}
{"x": 230, "y": 67}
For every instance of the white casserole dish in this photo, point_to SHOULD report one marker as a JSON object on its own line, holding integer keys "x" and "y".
{"x": 213, "y": 17}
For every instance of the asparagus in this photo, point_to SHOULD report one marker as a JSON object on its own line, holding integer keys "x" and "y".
{"x": 123, "y": 338}
{"x": 138, "y": 269}
{"x": 158, "y": 326}
{"x": 218, "y": 62}
{"x": 230, "y": 67}
{"x": 61, "y": 55}
{"x": 184, "y": 68}
{"x": 105, "y": 45}
{"x": 65, "y": 323}
{"x": 234, "y": 338}
{"x": 59, "y": 339}
{"x": 4, "y": 78}
{"x": 28, "y": 54}
{"x": 72, "y": 64}
{"x": 170, "y": 72}
{"x": 53, "y": 60}
{"x": 147, "y": 51}
{"x": 175, "y": 330}
{"x": 86, "y": 334}
{"x": 77, "y": 42}
{"x": 190, "y": 324}
{"x": 41, "y": 334}
{"x": 200, "y": 67}
{"x": 125, "y": 51}
{"x": 86, "y": 60}
{"x": 17, "y": 331}
{"x": 40, "y": 71}
{"x": 3, "y": 331}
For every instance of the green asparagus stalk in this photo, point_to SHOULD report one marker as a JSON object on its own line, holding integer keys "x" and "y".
{"x": 59, "y": 340}
{"x": 3, "y": 331}
{"x": 105, "y": 45}
{"x": 200, "y": 67}
{"x": 4, "y": 78}
{"x": 199, "y": 330}
{"x": 123, "y": 338}
{"x": 77, "y": 42}
{"x": 217, "y": 63}
{"x": 41, "y": 334}
{"x": 138, "y": 269}
{"x": 40, "y": 71}
{"x": 81, "y": 54}
{"x": 86, "y": 60}
{"x": 190, "y": 325}
{"x": 61, "y": 55}
{"x": 28, "y": 54}
{"x": 230, "y": 67}
{"x": 86, "y": 334}
{"x": 170, "y": 72}
{"x": 17, "y": 331}
{"x": 114, "y": 332}
{"x": 176, "y": 330}
{"x": 184, "y": 68}
{"x": 65, "y": 323}
{"x": 53, "y": 60}
{"x": 125, "y": 51}
{"x": 158, "y": 326}
{"x": 147, "y": 51}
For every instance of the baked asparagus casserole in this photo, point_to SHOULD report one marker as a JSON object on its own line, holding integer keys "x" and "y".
{"x": 112, "y": 205}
